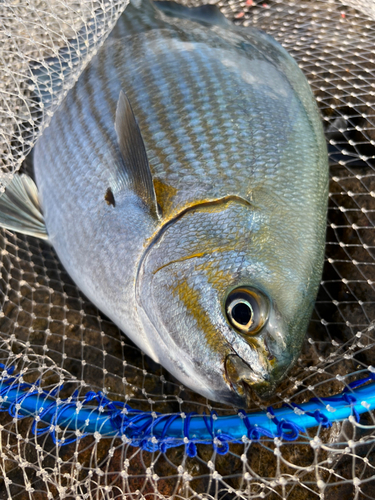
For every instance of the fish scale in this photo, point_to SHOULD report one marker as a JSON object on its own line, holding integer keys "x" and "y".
{"x": 177, "y": 156}
{"x": 228, "y": 212}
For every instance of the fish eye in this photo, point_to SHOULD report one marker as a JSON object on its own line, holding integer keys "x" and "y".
{"x": 247, "y": 310}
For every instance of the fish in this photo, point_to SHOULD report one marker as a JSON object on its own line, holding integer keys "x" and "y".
{"x": 183, "y": 183}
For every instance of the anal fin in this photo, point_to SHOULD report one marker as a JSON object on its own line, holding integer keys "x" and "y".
{"x": 20, "y": 209}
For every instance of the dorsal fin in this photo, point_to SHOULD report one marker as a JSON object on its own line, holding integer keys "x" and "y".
{"x": 204, "y": 13}
{"x": 134, "y": 154}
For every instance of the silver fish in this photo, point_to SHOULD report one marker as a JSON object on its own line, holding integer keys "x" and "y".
{"x": 183, "y": 184}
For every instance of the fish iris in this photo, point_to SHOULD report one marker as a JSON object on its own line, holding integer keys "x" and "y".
{"x": 247, "y": 310}
{"x": 242, "y": 313}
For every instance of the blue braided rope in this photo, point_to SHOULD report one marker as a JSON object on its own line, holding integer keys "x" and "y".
{"x": 94, "y": 414}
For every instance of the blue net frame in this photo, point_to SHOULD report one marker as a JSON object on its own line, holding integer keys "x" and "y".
{"x": 95, "y": 414}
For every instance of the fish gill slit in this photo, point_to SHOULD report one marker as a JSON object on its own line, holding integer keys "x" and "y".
{"x": 159, "y": 234}
{"x": 183, "y": 259}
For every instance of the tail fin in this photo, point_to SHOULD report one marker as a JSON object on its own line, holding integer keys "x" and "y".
{"x": 20, "y": 209}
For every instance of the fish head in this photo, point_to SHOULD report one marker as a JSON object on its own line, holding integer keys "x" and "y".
{"x": 224, "y": 307}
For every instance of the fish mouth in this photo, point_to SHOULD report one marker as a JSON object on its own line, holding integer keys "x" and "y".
{"x": 245, "y": 381}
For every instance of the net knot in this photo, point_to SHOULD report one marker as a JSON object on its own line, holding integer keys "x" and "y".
{"x": 148, "y": 445}
{"x": 48, "y": 428}
{"x": 89, "y": 396}
{"x": 286, "y": 429}
{"x": 8, "y": 369}
{"x": 139, "y": 427}
{"x": 221, "y": 443}
{"x": 16, "y": 404}
{"x": 4, "y": 392}
{"x": 254, "y": 432}
{"x": 321, "y": 419}
{"x": 219, "y": 440}
{"x": 68, "y": 405}
{"x": 102, "y": 400}
{"x": 190, "y": 447}
{"x": 351, "y": 400}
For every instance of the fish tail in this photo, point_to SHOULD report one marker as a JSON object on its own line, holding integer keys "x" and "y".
{"x": 20, "y": 208}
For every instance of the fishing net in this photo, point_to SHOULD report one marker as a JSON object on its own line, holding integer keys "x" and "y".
{"x": 60, "y": 355}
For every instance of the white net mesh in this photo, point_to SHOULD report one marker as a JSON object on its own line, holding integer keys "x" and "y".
{"x": 51, "y": 334}
{"x": 31, "y": 32}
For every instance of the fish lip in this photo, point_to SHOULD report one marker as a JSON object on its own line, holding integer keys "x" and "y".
{"x": 243, "y": 380}
{"x": 263, "y": 391}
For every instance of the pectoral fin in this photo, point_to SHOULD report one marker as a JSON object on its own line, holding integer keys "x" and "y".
{"x": 133, "y": 152}
{"x": 20, "y": 209}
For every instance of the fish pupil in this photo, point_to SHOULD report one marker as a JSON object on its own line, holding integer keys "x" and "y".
{"x": 241, "y": 313}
